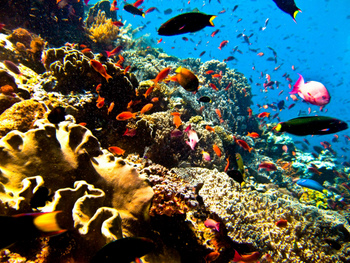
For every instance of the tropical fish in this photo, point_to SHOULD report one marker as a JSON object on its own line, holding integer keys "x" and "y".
{"x": 114, "y": 6}
{"x": 28, "y": 226}
{"x": 57, "y": 115}
{"x": 236, "y": 175}
{"x": 161, "y": 75}
{"x": 110, "y": 108}
{"x": 205, "y": 99}
{"x": 133, "y": 10}
{"x": 100, "y": 69}
{"x": 240, "y": 164}
{"x": 116, "y": 150}
{"x": 267, "y": 166}
{"x": 12, "y": 66}
{"x": 40, "y": 197}
{"x": 187, "y": 79}
{"x": 210, "y": 223}
{"x": 253, "y": 134}
{"x": 288, "y": 6}
{"x": 209, "y": 128}
{"x": 281, "y": 223}
{"x": 125, "y": 115}
{"x": 253, "y": 257}
{"x": 227, "y": 164}
{"x": 206, "y": 156}
{"x": 244, "y": 145}
{"x": 311, "y": 184}
{"x": 186, "y": 23}
{"x": 124, "y": 250}
{"x": 311, "y": 125}
{"x": 114, "y": 51}
{"x": 217, "y": 150}
{"x": 138, "y": 3}
{"x": 193, "y": 138}
{"x": 117, "y": 23}
{"x": 146, "y": 108}
{"x": 176, "y": 119}
{"x": 223, "y": 43}
{"x": 148, "y": 91}
{"x": 313, "y": 92}
{"x": 100, "y": 102}
{"x": 130, "y": 132}
{"x": 263, "y": 114}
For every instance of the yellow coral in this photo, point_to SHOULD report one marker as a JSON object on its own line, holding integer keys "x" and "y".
{"x": 102, "y": 31}
{"x": 315, "y": 198}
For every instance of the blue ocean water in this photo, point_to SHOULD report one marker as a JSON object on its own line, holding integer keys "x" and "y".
{"x": 317, "y": 45}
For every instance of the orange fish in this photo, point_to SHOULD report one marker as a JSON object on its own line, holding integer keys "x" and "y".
{"x": 160, "y": 40}
{"x": 209, "y": 128}
{"x": 176, "y": 119}
{"x": 217, "y": 150}
{"x": 98, "y": 88}
{"x": 209, "y": 72}
{"x": 213, "y": 86}
{"x": 253, "y": 134}
{"x": 100, "y": 102}
{"x": 82, "y": 123}
{"x": 138, "y": 3}
{"x": 155, "y": 99}
{"x": 260, "y": 54}
{"x": 282, "y": 223}
{"x": 228, "y": 164}
{"x": 187, "y": 79}
{"x": 250, "y": 112}
{"x": 263, "y": 114}
{"x": 217, "y": 76}
{"x": 110, "y": 108}
{"x": 114, "y": 51}
{"x": 125, "y": 115}
{"x": 253, "y": 257}
{"x": 100, "y": 69}
{"x": 116, "y": 150}
{"x": 126, "y": 69}
{"x": 244, "y": 145}
{"x": 117, "y": 23}
{"x": 146, "y": 108}
{"x": 86, "y": 50}
{"x": 114, "y": 6}
{"x": 223, "y": 43}
{"x": 161, "y": 75}
{"x": 148, "y": 91}
{"x": 218, "y": 112}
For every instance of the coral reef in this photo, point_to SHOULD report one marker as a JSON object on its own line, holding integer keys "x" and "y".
{"x": 250, "y": 217}
{"x": 101, "y": 6}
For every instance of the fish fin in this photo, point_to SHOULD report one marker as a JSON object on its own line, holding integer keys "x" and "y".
{"x": 297, "y": 85}
{"x": 143, "y": 15}
{"x": 237, "y": 257}
{"x": 278, "y": 127}
{"x": 211, "y": 20}
{"x": 178, "y": 70}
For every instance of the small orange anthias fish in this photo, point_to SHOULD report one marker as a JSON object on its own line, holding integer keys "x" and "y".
{"x": 110, "y": 108}
{"x": 211, "y": 223}
{"x": 146, "y": 108}
{"x": 116, "y": 150}
{"x": 176, "y": 119}
{"x": 217, "y": 150}
{"x": 282, "y": 223}
{"x": 161, "y": 75}
{"x": 244, "y": 145}
{"x": 253, "y": 134}
{"x": 148, "y": 91}
{"x": 263, "y": 114}
{"x": 100, "y": 102}
{"x": 125, "y": 115}
{"x": 253, "y": 257}
{"x": 209, "y": 128}
{"x": 227, "y": 165}
{"x": 100, "y": 69}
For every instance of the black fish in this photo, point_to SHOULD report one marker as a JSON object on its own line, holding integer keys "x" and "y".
{"x": 236, "y": 175}
{"x": 186, "y": 23}
{"x": 204, "y": 99}
{"x": 168, "y": 11}
{"x": 57, "y": 115}
{"x": 317, "y": 125}
{"x": 288, "y": 6}
{"x": 133, "y": 10}
{"x": 124, "y": 250}
{"x": 25, "y": 227}
{"x": 280, "y": 105}
{"x": 40, "y": 197}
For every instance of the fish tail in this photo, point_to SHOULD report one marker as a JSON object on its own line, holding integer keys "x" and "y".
{"x": 108, "y": 77}
{"x": 47, "y": 223}
{"x": 278, "y": 127}
{"x": 211, "y": 20}
{"x": 297, "y": 85}
{"x": 143, "y": 15}
{"x": 237, "y": 257}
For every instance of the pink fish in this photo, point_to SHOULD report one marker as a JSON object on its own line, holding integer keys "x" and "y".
{"x": 313, "y": 92}
{"x": 193, "y": 138}
{"x": 130, "y": 132}
{"x": 210, "y": 223}
{"x": 206, "y": 156}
